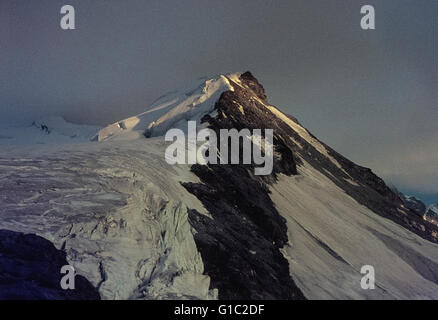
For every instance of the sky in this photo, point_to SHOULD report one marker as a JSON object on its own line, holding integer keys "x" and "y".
{"x": 371, "y": 95}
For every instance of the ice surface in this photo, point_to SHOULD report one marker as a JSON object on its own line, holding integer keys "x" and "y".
{"x": 117, "y": 209}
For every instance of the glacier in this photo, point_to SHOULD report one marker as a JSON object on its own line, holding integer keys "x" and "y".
{"x": 118, "y": 210}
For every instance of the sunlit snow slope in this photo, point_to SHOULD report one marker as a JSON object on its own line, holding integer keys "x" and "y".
{"x": 172, "y": 110}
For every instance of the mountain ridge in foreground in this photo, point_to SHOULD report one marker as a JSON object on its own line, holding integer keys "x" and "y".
{"x": 139, "y": 228}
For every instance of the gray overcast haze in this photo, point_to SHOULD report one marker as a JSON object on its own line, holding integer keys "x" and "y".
{"x": 371, "y": 95}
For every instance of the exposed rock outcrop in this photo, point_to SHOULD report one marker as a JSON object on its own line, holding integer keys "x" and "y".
{"x": 30, "y": 269}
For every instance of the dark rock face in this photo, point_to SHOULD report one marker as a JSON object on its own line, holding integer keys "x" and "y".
{"x": 30, "y": 270}
{"x": 252, "y": 83}
{"x": 241, "y": 246}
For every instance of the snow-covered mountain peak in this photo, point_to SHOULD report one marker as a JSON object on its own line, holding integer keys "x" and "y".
{"x": 172, "y": 110}
{"x": 138, "y": 227}
{"x": 434, "y": 208}
{"x": 429, "y": 213}
{"x": 432, "y": 212}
